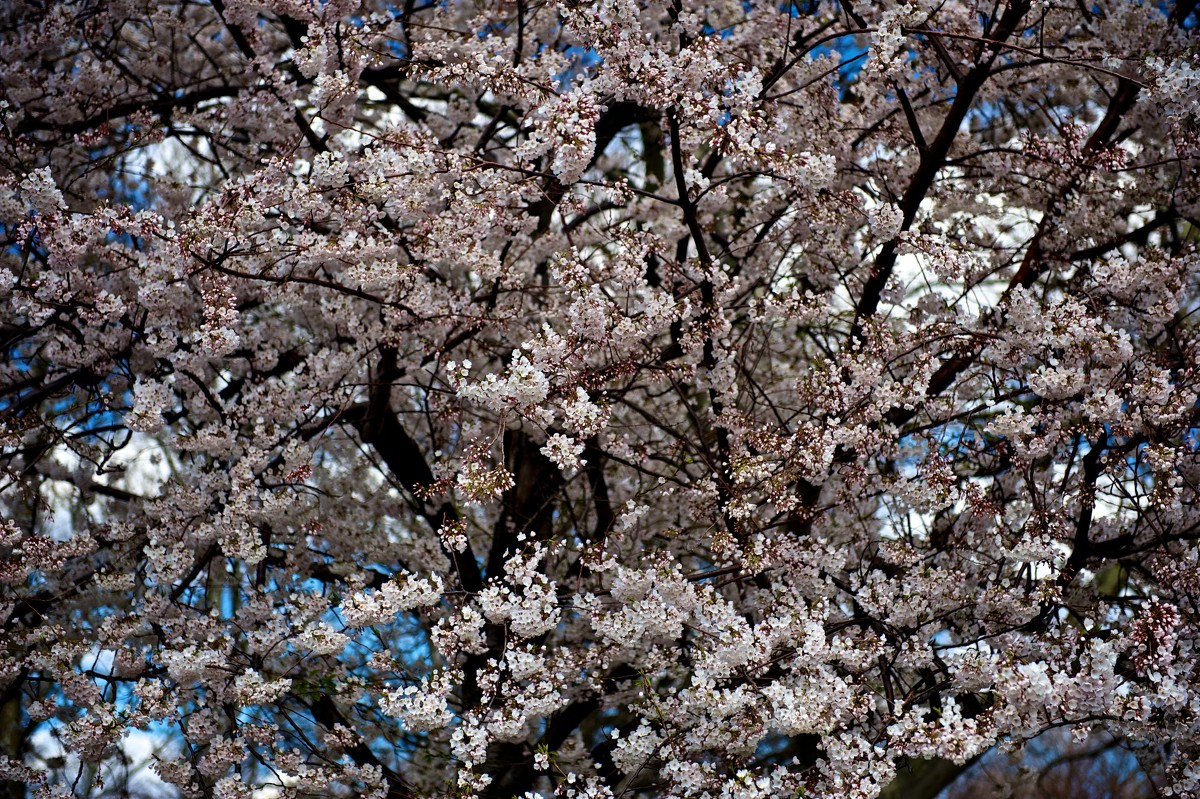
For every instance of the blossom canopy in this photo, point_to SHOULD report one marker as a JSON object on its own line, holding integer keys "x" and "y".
{"x": 596, "y": 398}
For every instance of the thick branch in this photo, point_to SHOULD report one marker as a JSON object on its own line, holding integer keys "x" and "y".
{"x": 931, "y": 163}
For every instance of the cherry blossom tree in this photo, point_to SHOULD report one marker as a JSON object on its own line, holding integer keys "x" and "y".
{"x": 601, "y": 398}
